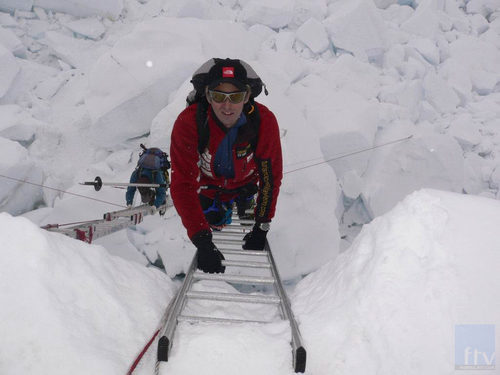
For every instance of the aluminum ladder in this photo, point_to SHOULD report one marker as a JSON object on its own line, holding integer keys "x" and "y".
{"x": 111, "y": 222}
{"x": 229, "y": 242}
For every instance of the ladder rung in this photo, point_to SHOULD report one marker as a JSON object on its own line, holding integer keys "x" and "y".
{"x": 238, "y": 226}
{"x": 234, "y": 278}
{"x": 248, "y": 211}
{"x": 207, "y": 319}
{"x": 242, "y": 252}
{"x": 217, "y": 235}
{"x": 227, "y": 241}
{"x": 245, "y": 263}
{"x": 243, "y": 221}
{"x": 232, "y": 297}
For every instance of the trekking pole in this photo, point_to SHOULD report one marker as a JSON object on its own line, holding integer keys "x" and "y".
{"x": 98, "y": 184}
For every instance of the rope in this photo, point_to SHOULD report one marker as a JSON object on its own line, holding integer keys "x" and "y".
{"x": 141, "y": 354}
{"x": 349, "y": 154}
{"x": 163, "y": 321}
{"x": 284, "y": 173}
{"x": 61, "y": 191}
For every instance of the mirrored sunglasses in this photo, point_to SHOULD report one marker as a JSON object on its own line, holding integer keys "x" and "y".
{"x": 220, "y": 97}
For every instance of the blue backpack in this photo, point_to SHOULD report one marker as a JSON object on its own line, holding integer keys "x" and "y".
{"x": 153, "y": 158}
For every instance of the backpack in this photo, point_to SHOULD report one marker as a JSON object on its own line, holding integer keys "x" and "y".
{"x": 197, "y": 95}
{"x": 154, "y": 159}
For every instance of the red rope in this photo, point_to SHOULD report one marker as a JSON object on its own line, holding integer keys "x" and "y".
{"x": 141, "y": 354}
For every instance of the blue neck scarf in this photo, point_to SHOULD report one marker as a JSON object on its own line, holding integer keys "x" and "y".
{"x": 223, "y": 162}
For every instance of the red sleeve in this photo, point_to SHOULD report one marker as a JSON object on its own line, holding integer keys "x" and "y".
{"x": 185, "y": 184}
{"x": 269, "y": 165}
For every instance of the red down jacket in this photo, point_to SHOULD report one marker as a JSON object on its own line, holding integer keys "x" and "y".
{"x": 191, "y": 171}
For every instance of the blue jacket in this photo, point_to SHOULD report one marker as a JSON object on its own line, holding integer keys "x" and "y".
{"x": 161, "y": 192}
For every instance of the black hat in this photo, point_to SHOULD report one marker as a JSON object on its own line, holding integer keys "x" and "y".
{"x": 227, "y": 70}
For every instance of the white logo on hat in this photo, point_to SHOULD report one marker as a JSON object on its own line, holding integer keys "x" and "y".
{"x": 228, "y": 72}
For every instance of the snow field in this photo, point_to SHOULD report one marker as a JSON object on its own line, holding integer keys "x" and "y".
{"x": 82, "y": 84}
{"x": 71, "y": 307}
{"x": 390, "y": 303}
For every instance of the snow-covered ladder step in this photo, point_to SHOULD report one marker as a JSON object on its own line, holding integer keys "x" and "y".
{"x": 239, "y": 227}
{"x": 222, "y": 235}
{"x": 228, "y": 241}
{"x": 208, "y": 319}
{"x": 237, "y": 279}
{"x": 245, "y": 263}
{"x": 243, "y": 221}
{"x": 233, "y": 297}
{"x": 225, "y": 250}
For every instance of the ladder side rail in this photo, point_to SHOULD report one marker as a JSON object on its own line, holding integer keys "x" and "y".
{"x": 166, "y": 338}
{"x": 144, "y": 209}
{"x": 67, "y": 228}
{"x": 104, "y": 230}
{"x": 299, "y": 352}
{"x": 112, "y": 222}
{"x": 93, "y": 229}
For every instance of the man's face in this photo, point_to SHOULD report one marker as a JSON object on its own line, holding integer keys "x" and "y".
{"x": 228, "y": 113}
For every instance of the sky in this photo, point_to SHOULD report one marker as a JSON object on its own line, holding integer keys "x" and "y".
{"x": 82, "y": 84}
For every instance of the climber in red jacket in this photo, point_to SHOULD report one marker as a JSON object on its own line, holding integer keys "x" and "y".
{"x": 225, "y": 147}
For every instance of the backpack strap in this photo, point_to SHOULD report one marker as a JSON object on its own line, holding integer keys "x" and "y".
{"x": 202, "y": 125}
{"x": 253, "y": 117}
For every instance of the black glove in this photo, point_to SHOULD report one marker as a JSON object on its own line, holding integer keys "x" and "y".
{"x": 209, "y": 257}
{"x": 256, "y": 239}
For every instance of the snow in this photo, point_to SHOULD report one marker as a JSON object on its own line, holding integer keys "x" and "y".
{"x": 29, "y": 75}
{"x": 17, "y": 124}
{"x": 6, "y": 20}
{"x": 442, "y": 97}
{"x": 428, "y": 161}
{"x": 313, "y": 34}
{"x": 9, "y": 40}
{"x": 87, "y": 27}
{"x": 483, "y": 7}
{"x": 274, "y": 14}
{"x": 226, "y": 350}
{"x": 409, "y": 277}
{"x": 8, "y": 70}
{"x": 74, "y": 307}
{"x": 78, "y": 53}
{"x": 83, "y": 8}
{"x": 357, "y": 27}
{"x": 425, "y": 21}
{"x": 83, "y": 83}
{"x": 12, "y": 5}
{"x": 427, "y": 48}
{"x": 16, "y": 197}
{"x": 389, "y": 303}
